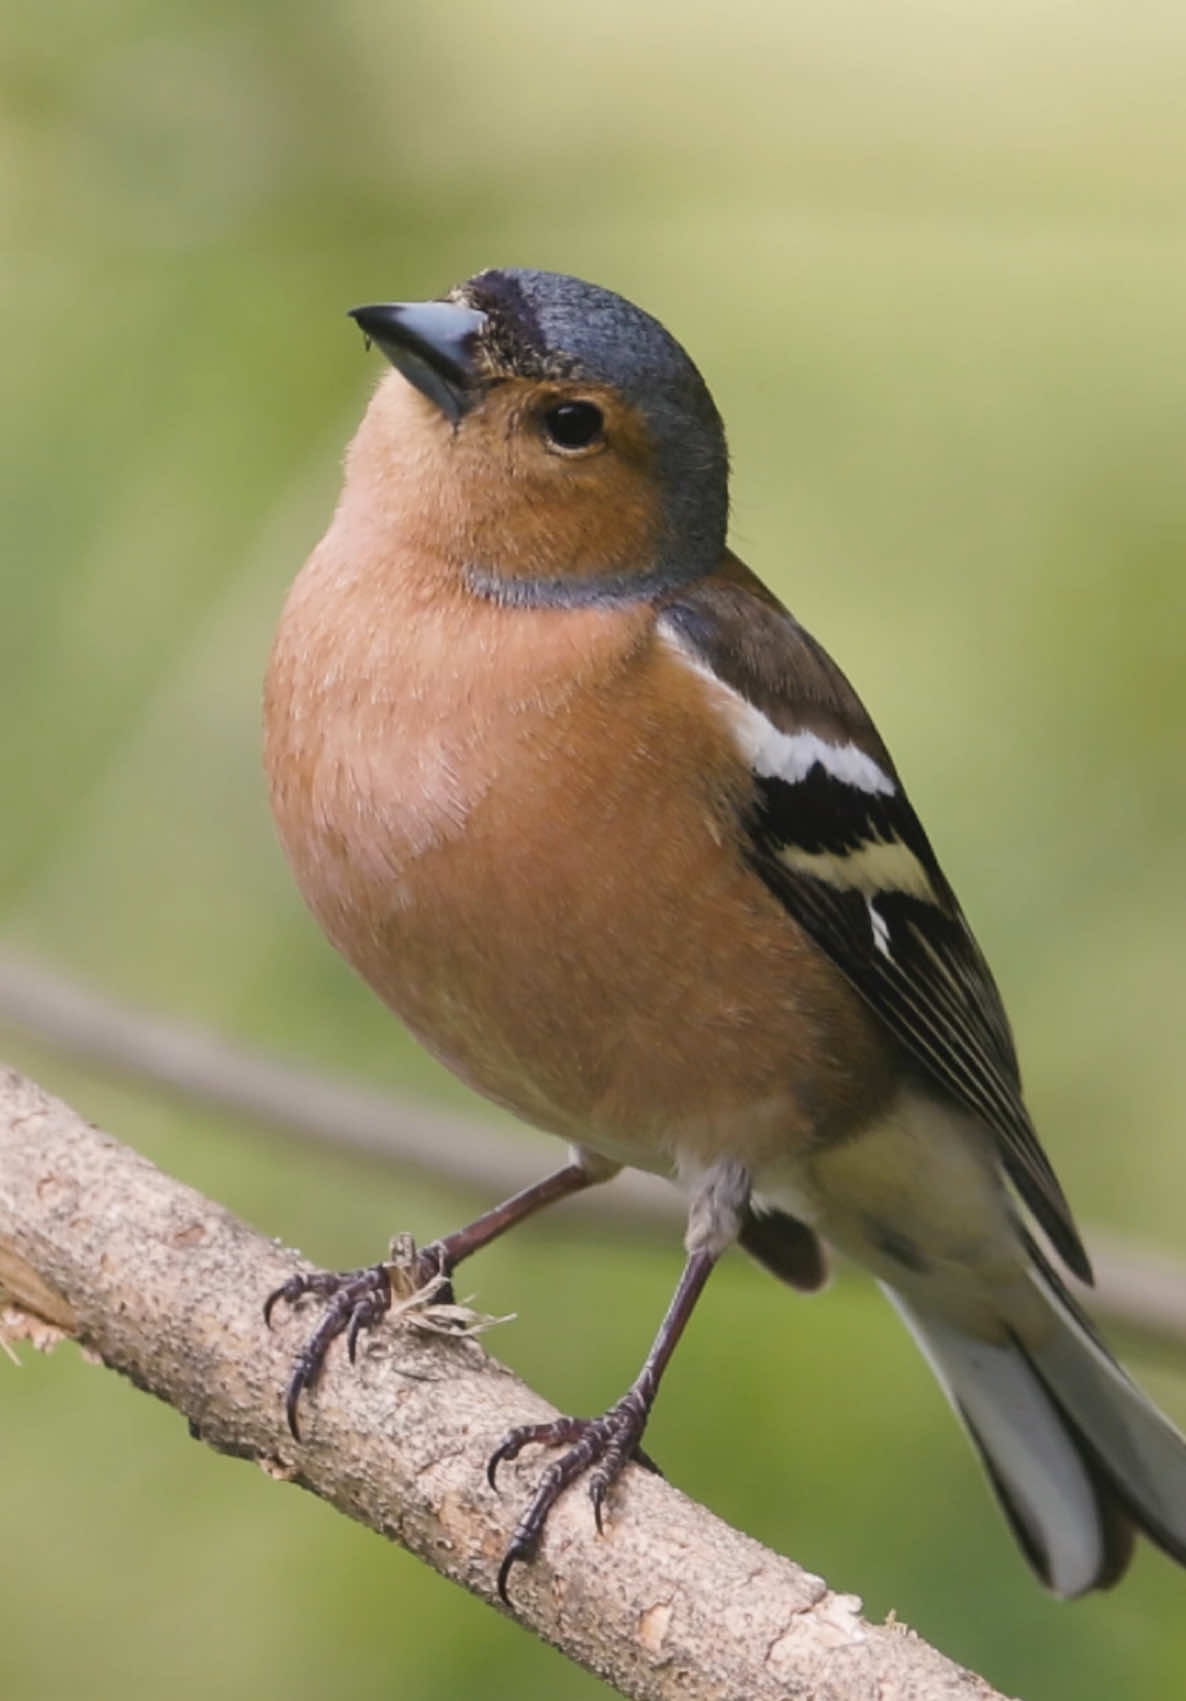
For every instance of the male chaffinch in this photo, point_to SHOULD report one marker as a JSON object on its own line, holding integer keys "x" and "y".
{"x": 617, "y": 840}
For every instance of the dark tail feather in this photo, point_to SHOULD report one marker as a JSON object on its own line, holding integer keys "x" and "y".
{"x": 784, "y": 1246}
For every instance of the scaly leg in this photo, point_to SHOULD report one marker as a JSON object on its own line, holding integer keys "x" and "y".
{"x": 602, "y": 1445}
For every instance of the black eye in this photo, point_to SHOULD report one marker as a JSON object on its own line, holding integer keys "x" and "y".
{"x": 573, "y": 425}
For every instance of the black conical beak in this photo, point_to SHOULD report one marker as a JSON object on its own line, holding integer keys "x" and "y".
{"x": 433, "y": 343}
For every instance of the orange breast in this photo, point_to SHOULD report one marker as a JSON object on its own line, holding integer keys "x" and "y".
{"x": 521, "y": 827}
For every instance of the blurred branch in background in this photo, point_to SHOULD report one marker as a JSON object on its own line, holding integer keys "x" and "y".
{"x": 1140, "y": 1292}
{"x": 164, "y": 1286}
{"x": 465, "y": 1152}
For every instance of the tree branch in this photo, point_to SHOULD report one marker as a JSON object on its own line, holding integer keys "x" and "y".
{"x": 165, "y": 1287}
{"x": 1141, "y": 1292}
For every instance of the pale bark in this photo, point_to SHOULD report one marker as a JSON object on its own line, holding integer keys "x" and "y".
{"x": 166, "y": 1287}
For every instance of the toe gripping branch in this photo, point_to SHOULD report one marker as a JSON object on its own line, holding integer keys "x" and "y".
{"x": 600, "y": 1445}
{"x": 357, "y": 1300}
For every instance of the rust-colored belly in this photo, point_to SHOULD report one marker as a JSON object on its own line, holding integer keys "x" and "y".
{"x": 550, "y": 894}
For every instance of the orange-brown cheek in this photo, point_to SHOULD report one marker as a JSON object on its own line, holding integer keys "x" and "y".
{"x": 491, "y": 496}
{"x": 559, "y": 518}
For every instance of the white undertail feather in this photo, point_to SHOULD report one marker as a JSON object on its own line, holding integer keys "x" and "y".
{"x": 1011, "y": 1417}
{"x": 1031, "y": 1409}
{"x": 1142, "y": 1453}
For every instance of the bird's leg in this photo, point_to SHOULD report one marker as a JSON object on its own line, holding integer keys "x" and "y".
{"x": 358, "y": 1299}
{"x": 603, "y": 1445}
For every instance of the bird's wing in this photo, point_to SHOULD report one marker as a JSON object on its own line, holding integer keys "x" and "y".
{"x": 835, "y": 838}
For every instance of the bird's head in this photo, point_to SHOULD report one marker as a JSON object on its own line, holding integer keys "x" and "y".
{"x": 564, "y": 445}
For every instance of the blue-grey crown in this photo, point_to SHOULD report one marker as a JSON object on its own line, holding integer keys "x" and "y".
{"x": 546, "y": 324}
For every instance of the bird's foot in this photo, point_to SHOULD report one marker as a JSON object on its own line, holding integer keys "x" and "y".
{"x": 601, "y": 1445}
{"x": 406, "y": 1281}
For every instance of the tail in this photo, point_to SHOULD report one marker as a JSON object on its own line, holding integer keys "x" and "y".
{"x": 1077, "y": 1455}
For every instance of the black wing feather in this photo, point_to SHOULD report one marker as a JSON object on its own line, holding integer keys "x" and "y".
{"x": 911, "y": 955}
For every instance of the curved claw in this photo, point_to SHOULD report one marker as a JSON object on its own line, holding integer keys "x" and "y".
{"x": 601, "y": 1477}
{"x": 358, "y": 1321}
{"x": 517, "y": 1553}
{"x": 292, "y": 1398}
{"x": 511, "y": 1445}
{"x": 290, "y": 1291}
{"x": 554, "y": 1434}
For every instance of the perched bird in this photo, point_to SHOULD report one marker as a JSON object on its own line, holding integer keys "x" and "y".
{"x": 617, "y": 840}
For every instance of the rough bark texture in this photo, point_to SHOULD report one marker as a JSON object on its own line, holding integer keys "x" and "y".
{"x": 166, "y": 1287}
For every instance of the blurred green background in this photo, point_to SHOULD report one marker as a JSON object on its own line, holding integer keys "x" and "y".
{"x": 932, "y": 260}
